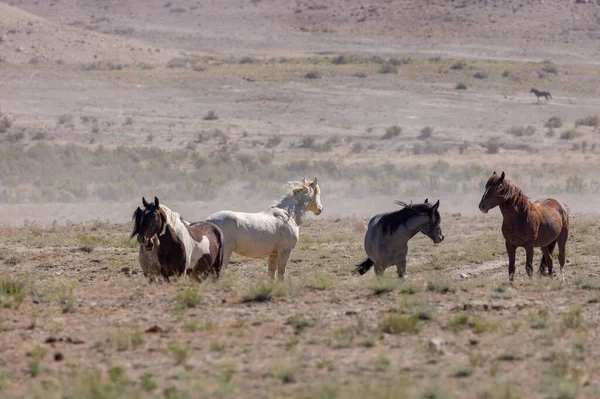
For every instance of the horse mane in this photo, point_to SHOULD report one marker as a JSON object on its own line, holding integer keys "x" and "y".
{"x": 390, "y": 222}
{"x": 510, "y": 192}
{"x": 137, "y": 219}
{"x": 293, "y": 188}
{"x": 172, "y": 216}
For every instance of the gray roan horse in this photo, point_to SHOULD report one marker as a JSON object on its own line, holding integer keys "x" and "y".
{"x": 175, "y": 247}
{"x": 386, "y": 241}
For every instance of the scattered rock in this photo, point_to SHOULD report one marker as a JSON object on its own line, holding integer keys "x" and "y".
{"x": 50, "y": 340}
{"x": 464, "y": 275}
{"x": 74, "y": 341}
{"x": 437, "y": 345}
{"x": 155, "y": 329}
{"x": 58, "y": 357}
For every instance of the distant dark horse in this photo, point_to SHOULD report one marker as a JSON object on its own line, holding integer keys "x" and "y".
{"x": 539, "y": 94}
{"x": 542, "y": 223}
{"x": 386, "y": 240}
{"x": 195, "y": 249}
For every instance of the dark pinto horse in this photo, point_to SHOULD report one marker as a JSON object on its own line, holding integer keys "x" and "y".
{"x": 543, "y": 223}
{"x": 538, "y": 94}
{"x": 194, "y": 249}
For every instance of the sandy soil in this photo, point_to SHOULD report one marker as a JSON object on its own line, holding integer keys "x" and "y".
{"x": 88, "y": 86}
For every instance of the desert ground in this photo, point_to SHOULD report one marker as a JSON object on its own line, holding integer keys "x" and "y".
{"x": 213, "y": 105}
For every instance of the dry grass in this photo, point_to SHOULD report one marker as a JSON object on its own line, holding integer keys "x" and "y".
{"x": 321, "y": 324}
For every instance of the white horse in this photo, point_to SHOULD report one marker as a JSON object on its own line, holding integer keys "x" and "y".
{"x": 274, "y": 232}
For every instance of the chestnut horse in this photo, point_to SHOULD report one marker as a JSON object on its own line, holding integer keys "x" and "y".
{"x": 178, "y": 248}
{"x": 543, "y": 223}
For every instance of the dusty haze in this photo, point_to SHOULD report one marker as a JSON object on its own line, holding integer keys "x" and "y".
{"x": 105, "y": 102}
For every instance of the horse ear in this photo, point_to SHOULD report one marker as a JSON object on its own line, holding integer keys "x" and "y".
{"x": 501, "y": 177}
{"x": 144, "y": 202}
{"x": 494, "y": 174}
{"x": 427, "y": 200}
{"x": 314, "y": 183}
{"x": 156, "y": 203}
{"x": 435, "y": 206}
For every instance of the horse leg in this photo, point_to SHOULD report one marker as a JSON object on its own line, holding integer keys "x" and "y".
{"x": 227, "y": 250}
{"x": 529, "y": 261}
{"x": 562, "y": 243}
{"x": 282, "y": 260}
{"x": 511, "y": 249}
{"x": 202, "y": 269}
{"x": 546, "y": 251}
{"x": 272, "y": 265}
{"x": 401, "y": 267}
{"x": 379, "y": 270}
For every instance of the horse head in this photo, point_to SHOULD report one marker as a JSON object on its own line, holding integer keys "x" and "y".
{"x": 493, "y": 194}
{"x": 432, "y": 229}
{"x": 149, "y": 223}
{"x": 315, "y": 205}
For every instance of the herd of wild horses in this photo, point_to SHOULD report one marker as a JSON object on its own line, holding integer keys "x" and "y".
{"x": 170, "y": 246}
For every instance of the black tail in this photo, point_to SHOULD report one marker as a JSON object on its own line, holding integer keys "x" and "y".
{"x": 364, "y": 267}
{"x": 220, "y": 253}
{"x": 543, "y": 263}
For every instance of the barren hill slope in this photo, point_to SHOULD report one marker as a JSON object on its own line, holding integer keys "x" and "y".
{"x": 25, "y": 37}
{"x": 503, "y": 28}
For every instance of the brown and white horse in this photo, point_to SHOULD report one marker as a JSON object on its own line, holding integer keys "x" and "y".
{"x": 543, "y": 223}
{"x": 174, "y": 246}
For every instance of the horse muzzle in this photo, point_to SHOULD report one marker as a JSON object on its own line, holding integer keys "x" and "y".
{"x": 319, "y": 211}
{"x": 483, "y": 208}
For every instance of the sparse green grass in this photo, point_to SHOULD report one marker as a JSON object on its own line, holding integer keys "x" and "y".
{"x": 180, "y": 353}
{"x": 591, "y": 121}
{"x": 382, "y": 363}
{"x": 394, "y": 323}
{"x": 573, "y": 319}
{"x": 549, "y": 67}
{"x": 384, "y": 285}
{"x": 460, "y": 86}
{"x": 12, "y": 293}
{"x": 462, "y": 321}
{"x": 286, "y": 372}
{"x": 463, "y": 372}
{"x": 388, "y": 69}
{"x": 299, "y": 323}
{"x": 65, "y": 119}
{"x": 66, "y": 299}
{"x": 8, "y": 258}
{"x": 187, "y": 298}
{"x": 342, "y": 337}
{"x": 319, "y": 281}
{"x": 217, "y": 346}
{"x": 540, "y": 320}
{"x": 570, "y": 134}
{"x": 521, "y": 131}
{"x": 391, "y": 132}
{"x": 553, "y": 122}
{"x": 210, "y": 116}
{"x": 148, "y": 382}
{"x": 441, "y": 286}
{"x": 493, "y": 145}
{"x": 262, "y": 291}
{"x": 126, "y": 340}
